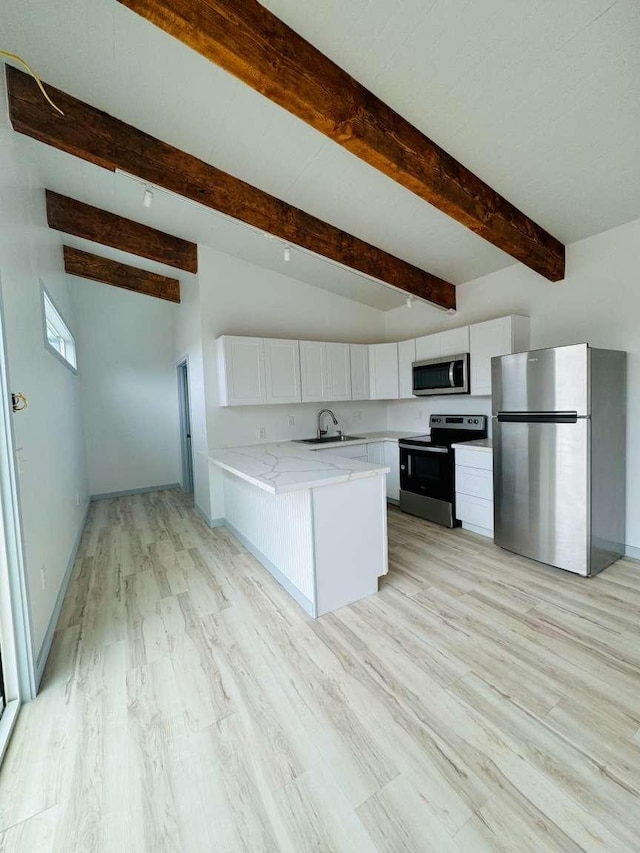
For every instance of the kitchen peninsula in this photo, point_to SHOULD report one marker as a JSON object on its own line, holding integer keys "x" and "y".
{"x": 316, "y": 522}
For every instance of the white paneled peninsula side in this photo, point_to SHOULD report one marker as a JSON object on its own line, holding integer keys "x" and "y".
{"x": 317, "y": 522}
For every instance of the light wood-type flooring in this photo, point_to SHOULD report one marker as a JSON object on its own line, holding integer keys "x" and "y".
{"x": 478, "y": 702}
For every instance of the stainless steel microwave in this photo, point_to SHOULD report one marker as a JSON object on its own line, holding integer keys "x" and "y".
{"x": 446, "y": 375}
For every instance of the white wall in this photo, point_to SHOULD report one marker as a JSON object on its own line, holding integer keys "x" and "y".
{"x": 52, "y": 480}
{"x": 598, "y": 302}
{"x": 128, "y": 379}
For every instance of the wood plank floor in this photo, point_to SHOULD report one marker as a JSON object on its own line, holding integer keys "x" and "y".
{"x": 479, "y": 702}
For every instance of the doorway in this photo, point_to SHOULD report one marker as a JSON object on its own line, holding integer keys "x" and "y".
{"x": 185, "y": 426}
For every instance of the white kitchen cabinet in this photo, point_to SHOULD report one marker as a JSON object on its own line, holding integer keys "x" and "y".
{"x": 241, "y": 373}
{"x": 282, "y": 371}
{"x": 428, "y": 346}
{"x": 474, "y": 489}
{"x": 383, "y": 371}
{"x": 440, "y": 344}
{"x": 387, "y": 453}
{"x": 338, "y": 361}
{"x": 454, "y": 341}
{"x": 359, "y": 371}
{"x": 493, "y": 338}
{"x": 406, "y": 357}
{"x": 392, "y": 460}
{"x": 375, "y": 452}
{"x": 313, "y": 371}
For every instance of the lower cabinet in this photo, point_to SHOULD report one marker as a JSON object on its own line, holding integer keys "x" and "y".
{"x": 392, "y": 460}
{"x": 474, "y": 490}
{"x": 387, "y": 453}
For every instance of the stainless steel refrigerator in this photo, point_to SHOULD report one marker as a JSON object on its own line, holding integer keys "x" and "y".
{"x": 559, "y": 455}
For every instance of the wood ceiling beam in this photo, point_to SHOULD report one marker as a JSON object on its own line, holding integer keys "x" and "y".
{"x": 82, "y": 220}
{"x": 87, "y": 265}
{"x": 248, "y": 41}
{"x": 99, "y": 138}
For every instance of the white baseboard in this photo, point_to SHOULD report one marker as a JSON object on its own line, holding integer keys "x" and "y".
{"x": 105, "y": 496}
{"x": 632, "y": 551}
{"x": 45, "y": 648}
{"x": 210, "y": 522}
{"x": 481, "y": 531}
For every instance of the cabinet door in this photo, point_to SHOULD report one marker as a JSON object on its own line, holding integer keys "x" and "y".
{"x": 338, "y": 371}
{"x": 241, "y": 371}
{"x": 383, "y": 371}
{"x": 406, "y": 357}
{"x": 282, "y": 371}
{"x": 313, "y": 371}
{"x": 375, "y": 452}
{"x": 486, "y": 341}
{"x": 454, "y": 341}
{"x": 392, "y": 460}
{"x": 359, "y": 372}
{"x": 428, "y": 346}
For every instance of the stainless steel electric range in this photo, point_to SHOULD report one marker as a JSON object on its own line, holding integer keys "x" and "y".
{"x": 427, "y": 467}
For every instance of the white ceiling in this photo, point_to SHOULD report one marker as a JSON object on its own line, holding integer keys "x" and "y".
{"x": 538, "y": 97}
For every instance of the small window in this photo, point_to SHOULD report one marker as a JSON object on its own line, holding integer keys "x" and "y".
{"x": 58, "y": 338}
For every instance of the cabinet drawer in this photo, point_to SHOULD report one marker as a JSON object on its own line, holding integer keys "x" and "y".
{"x": 352, "y": 451}
{"x": 477, "y": 482}
{"x": 474, "y": 458}
{"x": 477, "y": 511}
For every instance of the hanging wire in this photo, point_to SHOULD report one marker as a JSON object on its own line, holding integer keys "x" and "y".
{"x": 33, "y": 74}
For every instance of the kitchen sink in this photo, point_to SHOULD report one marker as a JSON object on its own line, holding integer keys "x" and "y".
{"x": 328, "y": 439}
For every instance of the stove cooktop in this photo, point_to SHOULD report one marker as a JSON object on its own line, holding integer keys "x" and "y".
{"x": 447, "y": 429}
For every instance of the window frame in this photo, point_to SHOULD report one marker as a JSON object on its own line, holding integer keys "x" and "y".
{"x": 56, "y": 325}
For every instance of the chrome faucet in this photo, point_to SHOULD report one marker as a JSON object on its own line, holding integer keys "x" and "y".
{"x": 322, "y": 412}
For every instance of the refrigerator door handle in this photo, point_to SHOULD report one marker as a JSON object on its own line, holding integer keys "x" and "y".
{"x": 537, "y": 417}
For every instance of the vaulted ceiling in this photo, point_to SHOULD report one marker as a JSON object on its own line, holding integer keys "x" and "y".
{"x": 538, "y": 98}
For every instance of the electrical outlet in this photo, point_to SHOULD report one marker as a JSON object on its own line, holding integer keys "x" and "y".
{"x": 357, "y": 416}
{"x": 43, "y": 577}
{"x": 292, "y": 421}
{"x": 262, "y": 432}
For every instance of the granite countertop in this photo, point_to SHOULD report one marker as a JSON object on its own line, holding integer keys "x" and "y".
{"x": 287, "y": 466}
{"x": 480, "y": 444}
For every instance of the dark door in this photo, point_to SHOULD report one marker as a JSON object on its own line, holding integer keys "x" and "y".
{"x": 185, "y": 427}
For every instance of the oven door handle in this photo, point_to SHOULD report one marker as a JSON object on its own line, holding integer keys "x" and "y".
{"x": 415, "y": 449}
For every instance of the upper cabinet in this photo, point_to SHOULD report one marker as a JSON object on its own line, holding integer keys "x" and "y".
{"x": 325, "y": 370}
{"x": 428, "y": 346}
{"x": 451, "y": 342}
{"x": 406, "y": 357}
{"x": 254, "y": 371}
{"x": 383, "y": 371}
{"x": 241, "y": 375}
{"x": 338, "y": 361}
{"x": 359, "y": 371}
{"x": 495, "y": 337}
{"x": 454, "y": 341}
{"x": 282, "y": 371}
{"x": 313, "y": 370}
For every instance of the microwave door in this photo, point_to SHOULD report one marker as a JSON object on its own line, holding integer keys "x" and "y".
{"x": 441, "y": 376}
{"x": 431, "y": 377}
